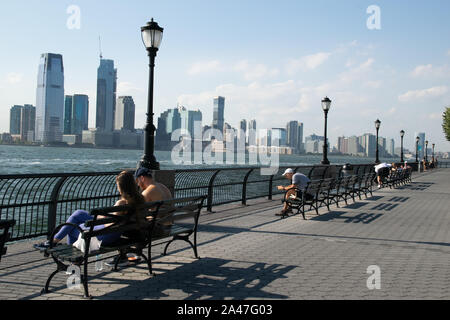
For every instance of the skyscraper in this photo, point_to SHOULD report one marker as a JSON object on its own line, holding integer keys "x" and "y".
{"x": 68, "y": 103}
{"x": 279, "y": 137}
{"x": 125, "y": 113}
{"x": 252, "y": 133}
{"x": 370, "y": 144}
{"x": 22, "y": 121}
{"x": 190, "y": 119}
{"x": 391, "y": 147}
{"x": 292, "y": 135}
{"x": 27, "y": 122}
{"x": 218, "y": 113}
{"x": 106, "y": 95}
{"x": 76, "y": 112}
{"x": 14, "y": 119}
{"x": 80, "y": 113}
{"x": 300, "y": 146}
{"x": 421, "y": 136}
{"x": 50, "y": 99}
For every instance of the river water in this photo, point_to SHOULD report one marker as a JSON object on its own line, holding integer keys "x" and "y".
{"x": 31, "y": 160}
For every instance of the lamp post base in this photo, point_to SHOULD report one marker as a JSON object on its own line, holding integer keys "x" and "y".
{"x": 325, "y": 162}
{"x": 151, "y": 164}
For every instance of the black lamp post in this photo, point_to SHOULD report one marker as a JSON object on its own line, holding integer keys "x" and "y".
{"x": 151, "y": 37}
{"x": 426, "y": 151}
{"x": 377, "y": 127}
{"x": 433, "y": 150}
{"x": 402, "y": 133}
{"x": 417, "y": 149}
{"x": 326, "y": 103}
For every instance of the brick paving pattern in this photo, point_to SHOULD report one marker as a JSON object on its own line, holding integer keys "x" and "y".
{"x": 249, "y": 253}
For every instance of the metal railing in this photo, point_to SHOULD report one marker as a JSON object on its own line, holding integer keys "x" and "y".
{"x": 40, "y": 202}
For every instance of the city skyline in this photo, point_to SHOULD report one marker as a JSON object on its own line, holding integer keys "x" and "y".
{"x": 363, "y": 71}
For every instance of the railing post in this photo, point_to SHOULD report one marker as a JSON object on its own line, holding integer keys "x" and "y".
{"x": 210, "y": 192}
{"x": 270, "y": 187}
{"x": 244, "y": 188}
{"x": 52, "y": 208}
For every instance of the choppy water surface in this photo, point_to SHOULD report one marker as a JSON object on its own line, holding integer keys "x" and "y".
{"x": 25, "y": 159}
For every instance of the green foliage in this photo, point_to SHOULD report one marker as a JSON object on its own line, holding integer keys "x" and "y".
{"x": 446, "y": 123}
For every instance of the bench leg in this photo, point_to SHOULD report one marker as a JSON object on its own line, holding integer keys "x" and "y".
{"x": 84, "y": 279}
{"x": 47, "y": 284}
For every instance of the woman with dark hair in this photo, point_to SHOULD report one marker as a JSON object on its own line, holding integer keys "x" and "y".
{"x": 129, "y": 194}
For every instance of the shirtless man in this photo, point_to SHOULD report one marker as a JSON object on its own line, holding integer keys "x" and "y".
{"x": 152, "y": 190}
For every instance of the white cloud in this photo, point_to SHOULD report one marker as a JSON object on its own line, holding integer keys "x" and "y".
{"x": 127, "y": 88}
{"x": 359, "y": 72}
{"x": 424, "y": 93}
{"x": 435, "y": 116}
{"x": 205, "y": 67}
{"x": 309, "y": 62}
{"x": 430, "y": 71}
{"x": 14, "y": 78}
{"x": 254, "y": 72}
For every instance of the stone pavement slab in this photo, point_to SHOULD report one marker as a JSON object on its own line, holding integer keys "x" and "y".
{"x": 249, "y": 253}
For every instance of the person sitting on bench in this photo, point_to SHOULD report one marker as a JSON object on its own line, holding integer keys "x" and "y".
{"x": 129, "y": 194}
{"x": 298, "y": 181}
{"x": 154, "y": 191}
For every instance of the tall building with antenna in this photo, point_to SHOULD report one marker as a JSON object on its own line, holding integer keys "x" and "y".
{"x": 106, "y": 94}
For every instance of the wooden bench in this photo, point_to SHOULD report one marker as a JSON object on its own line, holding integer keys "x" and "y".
{"x": 5, "y": 226}
{"x": 138, "y": 229}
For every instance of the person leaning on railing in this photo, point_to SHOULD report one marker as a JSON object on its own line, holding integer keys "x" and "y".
{"x": 129, "y": 194}
{"x": 298, "y": 182}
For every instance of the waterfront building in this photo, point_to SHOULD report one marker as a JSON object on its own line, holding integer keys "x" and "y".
{"x": 22, "y": 122}
{"x": 76, "y": 114}
{"x": 421, "y": 136}
{"x": 300, "y": 146}
{"x": 190, "y": 119}
{"x": 391, "y": 147}
{"x": 15, "y": 119}
{"x": 218, "y": 113}
{"x": 49, "y": 125}
{"x": 125, "y": 113}
{"x": 292, "y": 135}
{"x": 279, "y": 137}
{"x": 369, "y": 144}
{"x": 252, "y": 133}
{"x": 106, "y": 95}
{"x": 68, "y": 104}
{"x": 382, "y": 147}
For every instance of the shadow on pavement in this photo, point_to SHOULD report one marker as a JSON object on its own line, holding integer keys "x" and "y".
{"x": 207, "y": 278}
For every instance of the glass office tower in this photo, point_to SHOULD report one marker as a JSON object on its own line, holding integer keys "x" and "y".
{"x": 106, "y": 95}
{"x": 50, "y": 99}
{"x": 125, "y": 113}
{"x": 218, "y": 113}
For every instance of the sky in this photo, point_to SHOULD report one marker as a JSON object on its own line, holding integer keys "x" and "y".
{"x": 273, "y": 61}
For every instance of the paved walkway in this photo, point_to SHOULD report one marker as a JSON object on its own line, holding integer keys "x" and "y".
{"x": 248, "y": 253}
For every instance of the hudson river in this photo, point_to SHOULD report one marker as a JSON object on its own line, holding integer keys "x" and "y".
{"x": 26, "y": 159}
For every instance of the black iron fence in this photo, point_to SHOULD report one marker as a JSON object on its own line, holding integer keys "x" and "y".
{"x": 39, "y": 202}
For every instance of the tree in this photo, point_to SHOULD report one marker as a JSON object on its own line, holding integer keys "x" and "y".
{"x": 446, "y": 123}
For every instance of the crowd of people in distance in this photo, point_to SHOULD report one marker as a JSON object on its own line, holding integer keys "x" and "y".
{"x": 429, "y": 164}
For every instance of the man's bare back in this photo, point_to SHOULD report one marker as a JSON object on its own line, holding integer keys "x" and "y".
{"x": 156, "y": 191}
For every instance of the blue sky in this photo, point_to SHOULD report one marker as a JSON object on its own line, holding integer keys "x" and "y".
{"x": 273, "y": 61}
